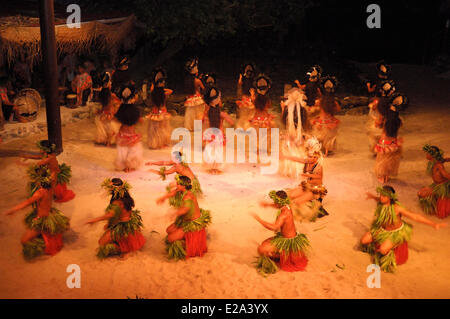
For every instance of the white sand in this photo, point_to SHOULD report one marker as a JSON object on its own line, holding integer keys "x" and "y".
{"x": 226, "y": 271}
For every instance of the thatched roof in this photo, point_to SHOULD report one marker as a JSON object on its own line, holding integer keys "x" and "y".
{"x": 21, "y": 35}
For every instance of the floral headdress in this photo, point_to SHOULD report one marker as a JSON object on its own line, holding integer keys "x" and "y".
{"x": 117, "y": 190}
{"x": 387, "y": 193}
{"x": 434, "y": 151}
{"x": 39, "y": 175}
{"x": 278, "y": 200}
{"x": 46, "y": 148}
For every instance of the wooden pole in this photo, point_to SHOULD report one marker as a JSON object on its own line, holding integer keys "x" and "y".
{"x": 48, "y": 45}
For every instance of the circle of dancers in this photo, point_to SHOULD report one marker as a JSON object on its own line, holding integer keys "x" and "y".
{"x": 311, "y": 129}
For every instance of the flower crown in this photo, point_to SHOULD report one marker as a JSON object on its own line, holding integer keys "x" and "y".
{"x": 46, "y": 149}
{"x": 434, "y": 151}
{"x": 278, "y": 200}
{"x": 384, "y": 192}
{"x": 39, "y": 174}
{"x": 117, "y": 191}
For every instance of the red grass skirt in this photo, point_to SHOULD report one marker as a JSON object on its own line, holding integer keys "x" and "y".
{"x": 53, "y": 243}
{"x": 132, "y": 242}
{"x": 293, "y": 262}
{"x": 443, "y": 207}
{"x": 401, "y": 253}
{"x": 62, "y": 194}
{"x": 196, "y": 243}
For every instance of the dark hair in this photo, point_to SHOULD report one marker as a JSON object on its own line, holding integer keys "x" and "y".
{"x": 47, "y": 145}
{"x": 158, "y": 96}
{"x": 247, "y": 84}
{"x": 105, "y": 96}
{"x": 390, "y": 189}
{"x": 126, "y": 199}
{"x": 116, "y": 181}
{"x": 392, "y": 123}
{"x": 261, "y": 102}
{"x": 214, "y": 116}
{"x": 281, "y": 194}
{"x": 189, "y": 84}
{"x": 328, "y": 103}
{"x": 128, "y": 114}
{"x": 383, "y": 106}
{"x": 186, "y": 180}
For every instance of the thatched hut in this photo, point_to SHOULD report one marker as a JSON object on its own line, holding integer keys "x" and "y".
{"x": 20, "y": 36}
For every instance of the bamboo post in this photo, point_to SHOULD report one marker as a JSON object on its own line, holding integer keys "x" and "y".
{"x": 48, "y": 44}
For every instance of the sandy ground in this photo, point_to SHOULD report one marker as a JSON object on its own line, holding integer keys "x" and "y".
{"x": 226, "y": 271}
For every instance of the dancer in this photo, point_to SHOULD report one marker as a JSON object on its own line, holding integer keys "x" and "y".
{"x": 179, "y": 166}
{"x": 159, "y": 128}
{"x": 129, "y": 146}
{"x": 435, "y": 199}
{"x": 307, "y": 198}
{"x": 262, "y": 118}
{"x": 121, "y": 76}
{"x": 378, "y": 110}
{"x": 107, "y": 126}
{"x": 45, "y": 224}
{"x": 61, "y": 174}
{"x": 387, "y": 239}
{"x": 123, "y": 232}
{"x": 214, "y": 118}
{"x": 293, "y": 114}
{"x": 186, "y": 237}
{"x": 389, "y": 147}
{"x": 325, "y": 126}
{"x": 287, "y": 246}
{"x": 313, "y": 93}
{"x": 194, "y": 103}
{"x": 383, "y": 73}
{"x": 246, "y": 96}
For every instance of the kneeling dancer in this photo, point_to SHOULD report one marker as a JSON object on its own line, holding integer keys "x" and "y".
{"x": 123, "y": 230}
{"x": 287, "y": 246}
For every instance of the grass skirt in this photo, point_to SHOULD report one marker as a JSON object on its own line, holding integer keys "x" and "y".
{"x": 107, "y": 129}
{"x": 127, "y": 237}
{"x": 326, "y": 133}
{"x": 438, "y": 202}
{"x": 388, "y": 162}
{"x": 398, "y": 254}
{"x": 51, "y": 228}
{"x": 159, "y": 131}
{"x": 195, "y": 107}
{"x": 291, "y": 168}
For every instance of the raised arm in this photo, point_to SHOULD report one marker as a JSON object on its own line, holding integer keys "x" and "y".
{"x": 227, "y": 118}
{"x": 36, "y": 196}
{"x": 109, "y": 214}
{"x": 272, "y": 226}
{"x": 418, "y": 218}
{"x": 372, "y": 196}
{"x": 160, "y": 163}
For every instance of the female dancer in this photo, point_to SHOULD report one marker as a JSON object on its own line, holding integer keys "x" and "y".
{"x": 186, "y": 237}
{"x": 159, "y": 128}
{"x": 435, "y": 199}
{"x": 194, "y": 103}
{"x": 287, "y": 246}
{"x": 45, "y": 224}
{"x": 107, "y": 125}
{"x": 214, "y": 138}
{"x": 387, "y": 239}
{"x": 123, "y": 230}
{"x": 388, "y": 148}
{"x": 246, "y": 96}
{"x": 129, "y": 146}
{"x": 325, "y": 126}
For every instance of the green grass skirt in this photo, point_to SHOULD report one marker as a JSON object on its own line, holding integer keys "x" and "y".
{"x": 194, "y": 225}
{"x": 54, "y": 223}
